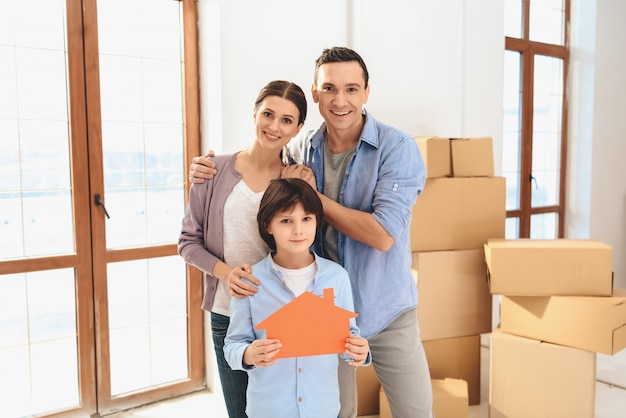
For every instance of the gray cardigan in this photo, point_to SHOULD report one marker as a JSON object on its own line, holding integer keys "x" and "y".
{"x": 201, "y": 240}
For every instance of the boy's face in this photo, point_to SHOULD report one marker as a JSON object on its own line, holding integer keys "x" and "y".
{"x": 293, "y": 231}
{"x": 340, "y": 94}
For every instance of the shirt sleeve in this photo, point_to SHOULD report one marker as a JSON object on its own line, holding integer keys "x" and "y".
{"x": 401, "y": 178}
{"x": 345, "y": 301}
{"x": 240, "y": 333}
{"x": 299, "y": 147}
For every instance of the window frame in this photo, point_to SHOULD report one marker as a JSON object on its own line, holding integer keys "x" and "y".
{"x": 86, "y": 172}
{"x": 528, "y": 50}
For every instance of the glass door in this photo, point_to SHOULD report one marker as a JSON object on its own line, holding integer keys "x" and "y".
{"x": 47, "y": 351}
{"x": 139, "y": 198}
{"x": 97, "y": 311}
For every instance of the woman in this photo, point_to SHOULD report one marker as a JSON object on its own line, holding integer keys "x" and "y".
{"x": 219, "y": 232}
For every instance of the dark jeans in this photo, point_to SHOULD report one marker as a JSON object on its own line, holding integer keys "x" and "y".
{"x": 234, "y": 382}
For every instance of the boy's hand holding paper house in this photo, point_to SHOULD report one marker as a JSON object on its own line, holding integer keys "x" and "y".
{"x": 309, "y": 326}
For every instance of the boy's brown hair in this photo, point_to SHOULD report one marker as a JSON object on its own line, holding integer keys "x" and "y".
{"x": 280, "y": 196}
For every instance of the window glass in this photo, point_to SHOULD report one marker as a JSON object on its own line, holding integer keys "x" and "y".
{"x": 35, "y": 195}
{"x": 546, "y": 21}
{"x": 38, "y": 344}
{"x": 544, "y": 226}
{"x": 148, "y": 323}
{"x": 512, "y": 228}
{"x": 547, "y": 114}
{"x": 142, "y": 120}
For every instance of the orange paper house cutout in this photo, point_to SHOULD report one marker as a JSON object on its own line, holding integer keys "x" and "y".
{"x": 309, "y": 326}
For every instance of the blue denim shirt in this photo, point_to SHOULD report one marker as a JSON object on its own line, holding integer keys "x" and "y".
{"x": 384, "y": 178}
{"x": 296, "y": 386}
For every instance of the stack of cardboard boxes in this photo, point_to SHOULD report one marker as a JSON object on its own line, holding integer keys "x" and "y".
{"x": 461, "y": 207}
{"x": 559, "y": 309}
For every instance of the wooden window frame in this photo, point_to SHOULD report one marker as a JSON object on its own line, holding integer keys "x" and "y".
{"x": 84, "y": 129}
{"x": 195, "y": 323}
{"x": 528, "y": 50}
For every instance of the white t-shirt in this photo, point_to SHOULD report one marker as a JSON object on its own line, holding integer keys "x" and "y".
{"x": 242, "y": 242}
{"x": 298, "y": 279}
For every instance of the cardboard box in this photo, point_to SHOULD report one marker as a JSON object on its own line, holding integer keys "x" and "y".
{"x": 385, "y": 410}
{"x": 436, "y": 154}
{"x": 449, "y": 399}
{"x": 538, "y": 267}
{"x": 472, "y": 157}
{"x": 454, "y": 299}
{"x": 593, "y": 323}
{"x": 457, "y": 358}
{"x": 458, "y": 213}
{"x": 368, "y": 388}
{"x": 530, "y": 378}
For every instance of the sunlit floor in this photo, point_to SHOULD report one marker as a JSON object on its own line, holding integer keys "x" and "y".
{"x": 610, "y": 394}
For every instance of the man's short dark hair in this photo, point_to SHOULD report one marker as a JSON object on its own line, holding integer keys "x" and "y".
{"x": 340, "y": 54}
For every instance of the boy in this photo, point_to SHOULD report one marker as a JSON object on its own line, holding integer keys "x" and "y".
{"x": 289, "y": 217}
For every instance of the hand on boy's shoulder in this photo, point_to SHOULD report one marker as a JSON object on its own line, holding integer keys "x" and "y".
{"x": 241, "y": 282}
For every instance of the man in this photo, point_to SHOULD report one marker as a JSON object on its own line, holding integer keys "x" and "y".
{"x": 368, "y": 175}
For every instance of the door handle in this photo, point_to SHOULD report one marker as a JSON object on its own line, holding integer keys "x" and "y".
{"x": 99, "y": 202}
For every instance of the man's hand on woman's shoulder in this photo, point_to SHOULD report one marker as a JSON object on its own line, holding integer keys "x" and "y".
{"x": 202, "y": 168}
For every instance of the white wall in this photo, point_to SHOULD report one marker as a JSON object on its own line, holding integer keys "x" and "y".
{"x": 435, "y": 67}
{"x": 596, "y": 206}
{"x": 608, "y": 183}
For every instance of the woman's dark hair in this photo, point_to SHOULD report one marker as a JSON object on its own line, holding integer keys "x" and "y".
{"x": 282, "y": 195}
{"x": 287, "y": 90}
{"x": 340, "y": 54}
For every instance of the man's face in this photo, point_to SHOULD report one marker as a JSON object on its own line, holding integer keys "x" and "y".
{"x": 340, "y": 94}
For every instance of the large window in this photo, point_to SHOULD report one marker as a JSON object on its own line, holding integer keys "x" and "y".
{"x": 98, "y": 117}
{"x": 535, "y": 113}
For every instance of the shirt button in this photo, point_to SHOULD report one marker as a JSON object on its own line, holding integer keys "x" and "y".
{"x": 395, "y": 187}
{"x": 299, "y": 399}
{"x": 300, "y": 370}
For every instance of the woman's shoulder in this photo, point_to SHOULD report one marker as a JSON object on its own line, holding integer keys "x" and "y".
{"x": 224, "y": 160}
{"x": 224, "y": 163}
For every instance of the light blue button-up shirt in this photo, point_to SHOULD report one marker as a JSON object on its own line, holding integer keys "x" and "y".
{"x": 384, "y": 178}
{"x": 304, "y": 387}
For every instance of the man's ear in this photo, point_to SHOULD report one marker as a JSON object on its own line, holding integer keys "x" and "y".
{"x": 314, "y": 93}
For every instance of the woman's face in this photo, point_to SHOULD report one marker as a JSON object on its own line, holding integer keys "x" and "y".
{"x": 276, "y": 121}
